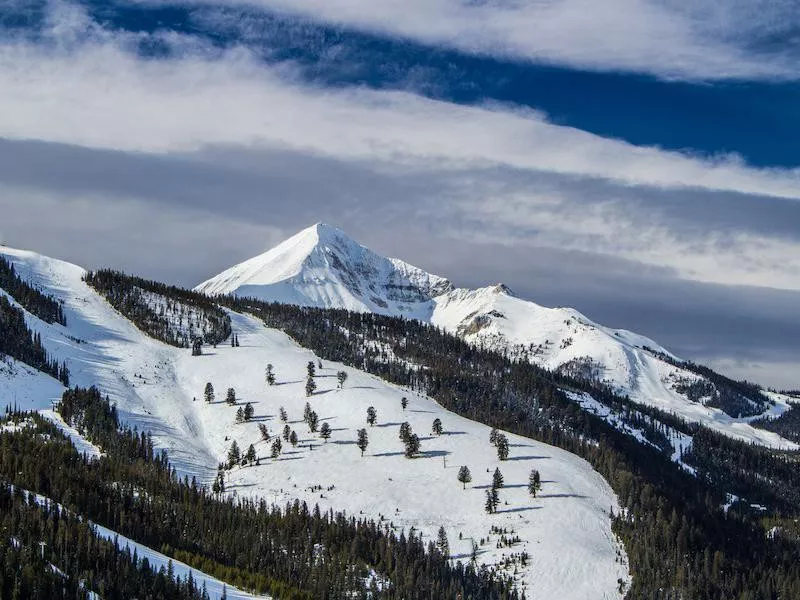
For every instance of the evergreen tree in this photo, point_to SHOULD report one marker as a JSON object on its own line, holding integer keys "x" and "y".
{"x": 442, "y": 543}
{"x": 363, "y": 441}
{"x": 325, "y": 431}
{"x": 251, "y": 454}
{"x": 464, "y": 476}
{"x": 270, "y": 375}
{"x": 293, "y": 439}
{"x": 412, "y": 445}
{"x": 230, "y": 397}
{"x": 497, "y": 479}
{"x": 489, "y": 504}
{"x": 208, "y": 394}
{"x": 287, "y": 431}
{"x": 313, "y": 421}
{"x": 248, "y": 411}
{"x": 502, "y": 447}
{"x": 311, "y": 385}
{"x": 493, "y": 436}
{"x": 404, "y": 402}
{"x": 437, "y": 426}
{"x": 306, "y": 412}
{"x": 262, "y": 428}
{"x": 534, "y": 483}
{"x": 372, "y": 416}
{"x": 405, "y": 431}
{"x": 240, "y": 415}
{"x": 234, "y": 455}
{"x": 284, "y": 416}
{"x": 275, "y": 451}
{"x": 341, "y": 376}
{"x": 311, "y": 369}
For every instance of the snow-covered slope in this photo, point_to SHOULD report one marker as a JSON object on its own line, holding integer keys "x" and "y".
{"x": 566, "y": 531}
{"x": 322, "y": 267}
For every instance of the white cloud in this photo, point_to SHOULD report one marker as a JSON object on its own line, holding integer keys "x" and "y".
{"x": 704, "y": 39}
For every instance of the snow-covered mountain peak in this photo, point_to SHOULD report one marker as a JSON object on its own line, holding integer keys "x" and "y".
{"x": 321, "y": 266}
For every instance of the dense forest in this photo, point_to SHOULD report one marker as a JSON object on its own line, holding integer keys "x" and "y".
{"x": 294, "y": 553}
{"x": 19, "y": 342}
{"x": 34, "y": 301}
{"x": 167, "y": 313}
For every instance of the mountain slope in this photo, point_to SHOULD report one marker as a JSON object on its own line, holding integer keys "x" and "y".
{"x": 322, "y": 267}
{"x": 566, "y": 532}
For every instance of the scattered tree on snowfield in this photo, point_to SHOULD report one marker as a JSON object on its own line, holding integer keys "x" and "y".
{"x": 293, "y": 439}
{"x": 363, "y": 441}
{"x": 276, "y": 448}
{"x": 341, "y": 376}
{"x": 230, "y": 397}
{"x": 240, "y": 415}
{"x": 264, "y": 432}
{"x": 404, "y": 402}
{"x": 233, "y": 454}
{"x": 287, "y": 431}
{"x": 208, "y": 393}
{"x": 372, "y": 415}
{"x": 464, "y": 476}
{"x": 284, "y": 416}
{"x": 437, "y": 426}
{"x": 248, "y": 411}
{"x": 325, "y": 431}
{"x": 497, "y": 479}
{"x": 311, "y": 386}
{"x": 306, "y": 412}
{"x": 502, "y": 447}
{"x": 251, "y": 454}
{"x": 311, "y": 368}
{"x": 405, "y": 431}
{"x": 442, "y": 543}
{"x": 270, "y": 375}
{"x": 412, "y": 445}
{"x": 313, "y": 421}
{"x": 534, "y": 483}
{"x": 493, "y": 436}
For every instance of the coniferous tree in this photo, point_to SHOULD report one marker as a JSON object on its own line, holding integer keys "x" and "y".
{"x": 363, "y": 441}
{"x": 248, "y": 412}
{"x": 437, "y": 426}
{"x": 493, "y": 436}
{"x": 284, "y": 416}
{"x": 372, "y": 416}
{"x": 442, "y": 543}
{"x": 325, "y": 431}
{"x": 489, "y": 504}
{"x": 270, "y": 375}
{"x": 287, "y": 431}
{"x": 240, "y": 415}
{"x": 234, "y": 454}
{"x": 251, "y": 454}
{"x": 306, "y": 412}
{"x": 405, "y": 431}
{"x": 464, "y": 476}
{"x": 534, "y": 483}
{"x": 502, "y": 447}
{"x": 497, "y": 479}
{"x": 208, "y": 393}
{"x": 412, "y": 445}
{"x": 404, "y": 402}
{"x": 341, "y": 376}
{"x": 293, "y": 439}
{"x": 276, "y": 448}
{"x": 230, "y": 397}
{"x": 264, "y": 431}
{"x": 311, "y": 369}
{"x": 313, "y": 421}
{"x": 311, "y": 385}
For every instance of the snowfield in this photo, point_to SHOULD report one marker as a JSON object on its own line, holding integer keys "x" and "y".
{"x": 321, "y": 266}
{"x": 566, "y": 531}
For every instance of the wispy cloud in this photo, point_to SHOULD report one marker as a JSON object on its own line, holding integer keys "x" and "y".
{"x": 701, "y": 40}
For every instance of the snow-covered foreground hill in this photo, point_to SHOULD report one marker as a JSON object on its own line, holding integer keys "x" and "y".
{"x": 321, "y": 266}
{"x": 565, "y": 531}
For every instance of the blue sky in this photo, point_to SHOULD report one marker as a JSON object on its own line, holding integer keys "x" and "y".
{"x": 637, "y": 162}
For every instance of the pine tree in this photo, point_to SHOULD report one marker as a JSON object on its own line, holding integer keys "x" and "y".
{"x": 311, "y": 385}
{"x": 230, "y": 397}
{"x": 248, "y": 411}
{"x": 240, "y": 415}
{"x": 251, "y": 454}
{"x": 264, "y": 432}
{"x": 341, "y": 376}
{"x": 275, "y": 451}
{"x": 404, "y": 402}
{"x": 311, "y": 369}
{"x": 497, "y": 479}
{"x": 284, "y": 416}
{"x": 313, "y": 421}
{"x": 233, "y": 454}
{"x": 493, "y": 436}
{"x": 489, "y": 504}
{"x": 293, "y": 439}
{"x": 208, "y": 394}
{"x": 270, "y": 375}
{"x": 534, "y": 483}
{"x": 287, "y": 431}
{"x": 502, "y": 447}
{"x": 372, "y": 416}
{"x": 412, "y": 445}
{"x": 495, "y": 499}
{"x": 306, "y": 412}
{"x": 363, "y": 441}
{"x": 464, "y": 476}
{"x": 405, "y": 431}
{"x": 442, "y": 543}
{"x": 325, "y": 431}
{"x": 437, "y": 426}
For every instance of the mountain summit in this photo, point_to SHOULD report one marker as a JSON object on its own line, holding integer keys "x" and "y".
{"x": 321, "y": 266}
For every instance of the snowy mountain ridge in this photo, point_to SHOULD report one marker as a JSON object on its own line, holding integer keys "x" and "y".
{"x": 322, "y": 267}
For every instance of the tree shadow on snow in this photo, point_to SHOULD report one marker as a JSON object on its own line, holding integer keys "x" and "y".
{"x": 518, "y": 509}
{"x": 510, "y": 458}
{"x": 560, "y": 496}
{"x": 391, "y": 424}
